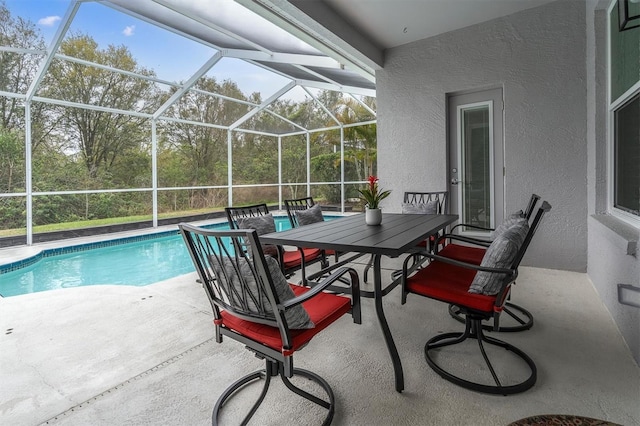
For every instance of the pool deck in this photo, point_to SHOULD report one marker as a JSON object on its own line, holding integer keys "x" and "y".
{"x": 119, "y": 355}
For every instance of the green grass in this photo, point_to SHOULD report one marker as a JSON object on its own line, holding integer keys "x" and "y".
{"x": 99, "y": 222}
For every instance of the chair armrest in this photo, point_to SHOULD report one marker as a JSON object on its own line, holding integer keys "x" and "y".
{"x": 461, "y": 264}
{"x": 466, "y": 225}
{"x": 476, "y": 241}
{"x": 322, "y": 285}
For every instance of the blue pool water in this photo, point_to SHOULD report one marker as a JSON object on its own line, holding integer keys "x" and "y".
{"x": 116, "y": 262}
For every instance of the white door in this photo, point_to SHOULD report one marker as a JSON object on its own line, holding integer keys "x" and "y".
{"x": 476, "y": 159}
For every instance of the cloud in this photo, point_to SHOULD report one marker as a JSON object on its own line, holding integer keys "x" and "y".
{"x": 128, "y": 30}
{"x": 49, "y": 21}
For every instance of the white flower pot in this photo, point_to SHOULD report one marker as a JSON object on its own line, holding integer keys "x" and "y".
{"x": 372, "y": 216}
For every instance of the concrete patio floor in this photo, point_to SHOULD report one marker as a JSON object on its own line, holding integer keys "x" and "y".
{"x": 116, "y": 355}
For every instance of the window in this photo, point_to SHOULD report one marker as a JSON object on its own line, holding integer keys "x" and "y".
{"x": 626, "y": 193}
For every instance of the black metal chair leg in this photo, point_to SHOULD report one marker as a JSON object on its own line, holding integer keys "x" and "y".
{"x": 329, "y": 405}
{"x": 479, "y": 337}
{"x": 474, "y": 329}
{"x": 273, "y": 369}
{"x": 523, "y": 317}
{"x": 230, "y": 391}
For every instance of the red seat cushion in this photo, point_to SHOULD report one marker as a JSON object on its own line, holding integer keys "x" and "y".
{"x": 293, "y": 258}
{"x": 449, "y": 283}
{"x": 463, "y": 253}
{"x": 323, "y": 309}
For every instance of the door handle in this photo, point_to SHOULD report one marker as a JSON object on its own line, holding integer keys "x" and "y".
{"x": 454, "y": 181}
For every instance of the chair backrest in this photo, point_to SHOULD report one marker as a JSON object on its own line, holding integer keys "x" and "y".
{"x": 489, "y": 282}
{"x": 441, "y": 197}
{"x": 235, "y": 213}
{"x": 237, "y": 281}
{"x": 532, "y": 204}
{"x": 297, "y": 204}
{"x": 533, "y": 227}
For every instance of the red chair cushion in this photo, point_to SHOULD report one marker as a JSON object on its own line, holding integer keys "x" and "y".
{"x": 293, "y": 258}
{"x": 450, "y": 284}
{"x": 465, "y": 254}
{"x": 323, "y": 309}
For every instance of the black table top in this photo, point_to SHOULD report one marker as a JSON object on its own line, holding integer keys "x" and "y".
{"x": 396, "y": 234}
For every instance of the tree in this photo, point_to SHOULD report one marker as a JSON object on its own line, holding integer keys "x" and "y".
{"x": 12, "y": 157}
{"x": 360, "y": 141}
{"x": 197, "y": 155}
{"x": 16, "y": 69}
{"x": 294, "y": 164}
{"x": 100, "y": 137}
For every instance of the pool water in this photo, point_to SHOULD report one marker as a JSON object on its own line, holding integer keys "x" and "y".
{"x": 135, "y": 263}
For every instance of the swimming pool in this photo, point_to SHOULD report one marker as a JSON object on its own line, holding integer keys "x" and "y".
{"x": 137, "y": 261}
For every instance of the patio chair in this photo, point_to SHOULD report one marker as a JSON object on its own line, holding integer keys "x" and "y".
{"x": 472, "y": 250}
{"x": 304, "y": 211}
{"x": 257, "y": 217}
{"x": 419, "y": 203}
{"x": 479, "y": 291}
{"x": 526, "y": 213}
{"x": 253, "y": 304}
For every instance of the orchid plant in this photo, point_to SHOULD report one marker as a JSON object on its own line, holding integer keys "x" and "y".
{"x": 372, "y": 195}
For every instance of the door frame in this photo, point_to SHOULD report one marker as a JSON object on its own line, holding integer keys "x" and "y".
{"x": 456, "y": 103}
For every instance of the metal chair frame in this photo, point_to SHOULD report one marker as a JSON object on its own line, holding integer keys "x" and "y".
{"x": 528, "y": 211}
{"x": 522, "y": 317}
{"x": 234, "y": 295}
{"x": 474, "y": 317}
{"x": 300, "y": 204}
{"x": 297, "y": 204}
{"x": 256, "y": 210}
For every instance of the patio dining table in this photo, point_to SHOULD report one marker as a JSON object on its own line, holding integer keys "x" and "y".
{"x": 397, "y": 235}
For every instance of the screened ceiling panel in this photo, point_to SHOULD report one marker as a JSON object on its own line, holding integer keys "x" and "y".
{"x": 172, "y": 58}
{"x": 299, "y": 107}
{"x": 99, "y": 87}
{"x": 45, "y": 18}
{"x": 237, "y": 27}
{"x": 266, "y": 122}
{"x": 169, "y": 18}
{"x": 294, "y": 72}
{"x": 343, "y": 77}
{"x": 226, "y": 24}
{"x": 246, "y": 77}
{"x": 147, "y": 43}
{"x": 200, "y": 107}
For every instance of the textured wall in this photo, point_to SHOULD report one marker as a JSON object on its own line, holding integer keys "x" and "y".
{"x": 610, "y": 260}
{"x": 538, "y": 57}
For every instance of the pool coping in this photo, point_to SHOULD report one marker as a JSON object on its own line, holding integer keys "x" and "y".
{"x": 15, "y": 258}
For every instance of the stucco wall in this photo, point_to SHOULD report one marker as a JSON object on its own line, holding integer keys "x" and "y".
{"x": 611, "y": 260}
{"x": 538, "y": 58}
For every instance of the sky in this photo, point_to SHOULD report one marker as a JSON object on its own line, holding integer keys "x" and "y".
{"x": 171, "y": 56}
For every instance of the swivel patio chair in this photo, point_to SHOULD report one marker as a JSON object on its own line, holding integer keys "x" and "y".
{"x": 257, "y": 217}
{"x": 304, "y": 211}
{"x": 479, "y": 291}
{"x": 526, "y": 213}
{"x": 472, "y": 250}
{"x": 419, "y": 203}
{"x": 253, "y": 304}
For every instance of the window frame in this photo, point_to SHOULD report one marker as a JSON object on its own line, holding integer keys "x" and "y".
{"x": 624, "y": 215}
{"x": 613, "y": 105}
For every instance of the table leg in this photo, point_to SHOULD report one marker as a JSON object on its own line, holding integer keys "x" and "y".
{"x": 391, "y": 346}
